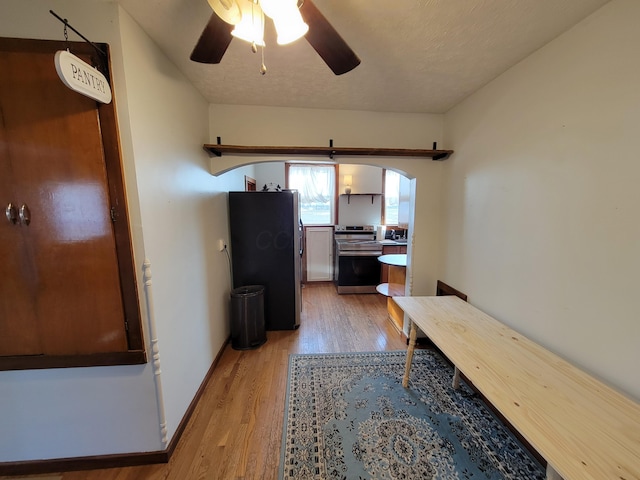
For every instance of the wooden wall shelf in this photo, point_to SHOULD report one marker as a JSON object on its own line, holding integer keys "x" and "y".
{"x": 349, "y": 195}
{"x": 218, "y": 150}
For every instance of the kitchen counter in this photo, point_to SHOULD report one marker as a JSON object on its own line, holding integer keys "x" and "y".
{"x": 392, "y": 242}
{"x": 390, "y": 247}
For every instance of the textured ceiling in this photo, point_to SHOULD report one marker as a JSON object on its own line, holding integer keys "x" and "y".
{"x": 420, "y": 56}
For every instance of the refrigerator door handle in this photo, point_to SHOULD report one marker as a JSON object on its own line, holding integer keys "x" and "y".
{"x": 301, "y": 237}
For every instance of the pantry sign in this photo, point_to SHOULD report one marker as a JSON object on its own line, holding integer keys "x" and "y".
{"x": 81, "y": 77}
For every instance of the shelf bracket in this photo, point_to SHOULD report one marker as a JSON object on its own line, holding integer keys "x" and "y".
{"x": 373, "y": 196}
{"x": 219, "y": 142}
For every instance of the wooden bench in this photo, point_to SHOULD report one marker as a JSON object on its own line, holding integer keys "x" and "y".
{"x": 580, "y": 426}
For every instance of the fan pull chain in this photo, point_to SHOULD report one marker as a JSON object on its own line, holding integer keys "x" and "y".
{"x": 263, "y": 67}
{"x": 66, "y": 35}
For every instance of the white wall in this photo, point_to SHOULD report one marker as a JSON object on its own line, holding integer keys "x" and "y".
{"x": 359, "y": 210}
{"x": 178, "y": 211}
{"x": 355, "y": 209}
{"x": 270, "y": 174}
{"x": 235, "y": 180}
{"x": 250, "y": 125}
{"x": 184, "y": 214}
{"x": 542, "y": 196}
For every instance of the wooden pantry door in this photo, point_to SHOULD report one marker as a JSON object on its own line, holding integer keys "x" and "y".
{"x": 60, "y": 290}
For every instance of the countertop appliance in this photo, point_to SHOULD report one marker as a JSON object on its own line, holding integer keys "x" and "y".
{"x": 384, "y": 233}
{"x": 266, "y": 249}
{"x": 356, "y": 266}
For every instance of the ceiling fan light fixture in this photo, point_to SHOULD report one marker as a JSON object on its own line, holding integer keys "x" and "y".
{"x": 286, "y": 18}
{"x": 318, "y": 32}
{"x": 227, "y": 10}
{"x": 272, "y": 8}
{"x": 251, "y": 26}
{"x": 290, "y": 29}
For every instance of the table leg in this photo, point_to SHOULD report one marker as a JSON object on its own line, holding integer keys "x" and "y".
{"x": 412, "y": 346}
{"x": 456, "y": 378}
{"x": 552, "y": 474}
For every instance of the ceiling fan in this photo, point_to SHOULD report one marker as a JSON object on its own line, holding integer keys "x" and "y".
{"x": 230, "y": 14}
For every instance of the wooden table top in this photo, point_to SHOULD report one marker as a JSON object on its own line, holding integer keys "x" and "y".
{"x": 582, "y": 427}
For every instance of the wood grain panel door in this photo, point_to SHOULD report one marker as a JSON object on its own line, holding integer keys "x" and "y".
{"x": 21, "y": 333}
{"x": 60, "y": 292}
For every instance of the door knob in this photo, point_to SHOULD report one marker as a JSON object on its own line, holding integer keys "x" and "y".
{"x": 25, "y": 214}
{"x": 12, "y": 214}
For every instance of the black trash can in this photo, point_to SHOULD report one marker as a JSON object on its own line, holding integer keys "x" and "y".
{"x": 247, "y": 317}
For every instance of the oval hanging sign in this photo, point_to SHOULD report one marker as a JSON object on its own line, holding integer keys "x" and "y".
{"x": 81, "y": 77}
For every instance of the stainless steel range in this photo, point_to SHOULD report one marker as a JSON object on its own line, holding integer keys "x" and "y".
{"x": 356, "y": 268}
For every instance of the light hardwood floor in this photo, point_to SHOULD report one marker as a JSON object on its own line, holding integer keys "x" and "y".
{"x": 236, "y": 430}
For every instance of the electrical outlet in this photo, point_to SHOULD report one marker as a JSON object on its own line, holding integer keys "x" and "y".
{"x": 221, "y": 245}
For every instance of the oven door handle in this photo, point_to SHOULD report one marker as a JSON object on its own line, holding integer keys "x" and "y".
{"x": 359, "y": 253}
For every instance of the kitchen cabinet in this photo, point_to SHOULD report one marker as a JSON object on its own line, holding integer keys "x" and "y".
{"x": 67, "y": 292}
{"x": 388, "y": 250}
{"x": 319, "y": 254}
{"x": 394, "y": 287}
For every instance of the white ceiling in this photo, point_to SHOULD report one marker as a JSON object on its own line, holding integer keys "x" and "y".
{"x": 420, "y": 56}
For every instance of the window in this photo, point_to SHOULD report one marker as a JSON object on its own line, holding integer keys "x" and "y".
{"x": 316, "y": 185}
{"x": 391, "y": 197}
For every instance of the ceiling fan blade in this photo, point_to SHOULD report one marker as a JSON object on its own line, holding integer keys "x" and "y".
{"x": 213, "y": 42}
{"x": 327, "y": 41}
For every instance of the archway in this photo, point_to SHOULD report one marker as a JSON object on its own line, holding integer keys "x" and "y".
{"x": 423, "y": 245}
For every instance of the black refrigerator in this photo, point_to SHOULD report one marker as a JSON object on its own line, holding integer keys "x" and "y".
{"x": 266, "y": 249}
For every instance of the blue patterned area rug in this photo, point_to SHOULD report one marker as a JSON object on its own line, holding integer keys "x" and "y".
{"x": 348, "y": 417}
